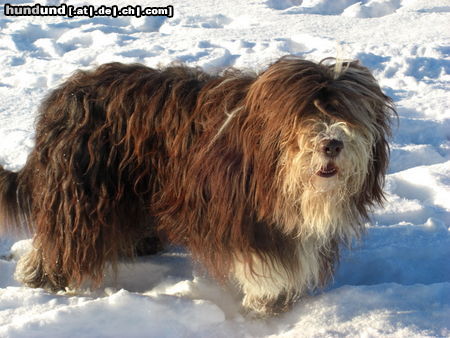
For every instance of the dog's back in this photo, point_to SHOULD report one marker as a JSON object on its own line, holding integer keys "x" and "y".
{"x": 101, "y": 137}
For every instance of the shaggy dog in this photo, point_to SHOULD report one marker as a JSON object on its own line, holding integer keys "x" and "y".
{"x": 261, "y": 176}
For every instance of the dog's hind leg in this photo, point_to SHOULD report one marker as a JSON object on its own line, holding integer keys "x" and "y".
{"x": 82, "y": 224}
{"x": 75, "y": 246}
{"x": 31, "y": 270}
{"x": 69, "y": 245}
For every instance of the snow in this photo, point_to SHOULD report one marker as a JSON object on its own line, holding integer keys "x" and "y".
{"x": 395, "y": 282}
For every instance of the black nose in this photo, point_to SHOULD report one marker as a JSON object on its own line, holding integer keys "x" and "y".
{"x": 332, "y": 148}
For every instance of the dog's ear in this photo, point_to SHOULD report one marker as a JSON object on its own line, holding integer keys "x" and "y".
{"x": 276, "y": 101}
{"x": 373, "y": 186}
{"x": 372, "y": 192}
{"x": 287, "y": 88}
{"x": 370, "y": 108}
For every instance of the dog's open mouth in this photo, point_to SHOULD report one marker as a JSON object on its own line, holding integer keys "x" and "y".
{"x": 327, "y": 171}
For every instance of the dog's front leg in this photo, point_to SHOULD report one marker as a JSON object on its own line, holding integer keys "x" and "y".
{"x": 270, "y": 286}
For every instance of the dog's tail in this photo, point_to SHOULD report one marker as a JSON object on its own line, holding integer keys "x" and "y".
{"x": 14, "y": 203}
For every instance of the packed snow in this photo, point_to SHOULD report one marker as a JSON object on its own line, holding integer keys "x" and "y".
{"x": 394, "y": 282}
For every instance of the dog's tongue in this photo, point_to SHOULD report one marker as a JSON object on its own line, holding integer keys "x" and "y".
{"x": 327, "y": 171}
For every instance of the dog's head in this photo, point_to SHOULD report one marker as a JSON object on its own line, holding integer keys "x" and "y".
{"x": 326, "y": 128}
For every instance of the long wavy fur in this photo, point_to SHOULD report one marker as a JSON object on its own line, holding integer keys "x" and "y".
{"x": 126, "y": 152}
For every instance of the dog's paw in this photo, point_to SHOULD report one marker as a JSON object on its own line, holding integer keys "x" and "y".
{"x": 30, "y": 271}
{"x": 263, "y": 307}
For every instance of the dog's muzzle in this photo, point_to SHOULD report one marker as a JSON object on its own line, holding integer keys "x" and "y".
{"x": 332, "y": 148}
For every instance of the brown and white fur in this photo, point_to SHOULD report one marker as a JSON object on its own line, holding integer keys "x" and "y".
{"x": 261, "y": 177}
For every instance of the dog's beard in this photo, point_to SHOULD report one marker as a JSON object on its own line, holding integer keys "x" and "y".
{"x": 317, "y": 190}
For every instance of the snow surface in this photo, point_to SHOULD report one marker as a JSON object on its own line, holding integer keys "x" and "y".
{"x": 395, "y": 282}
